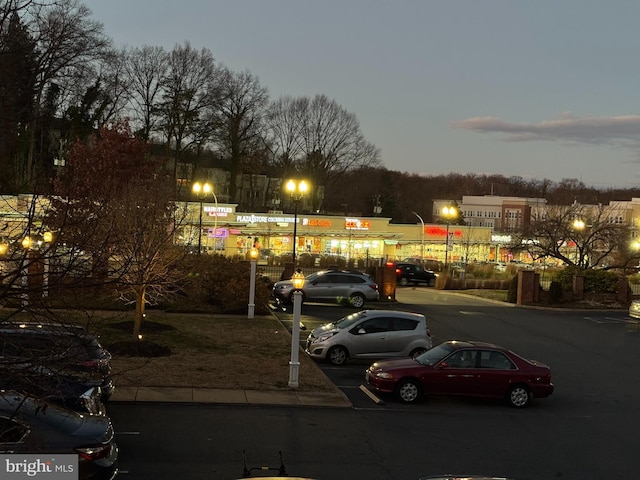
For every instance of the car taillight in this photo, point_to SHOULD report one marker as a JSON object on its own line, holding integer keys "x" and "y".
{"x": 374, "y": 287}
{"x": 398, "y": 271}
{"x": 94, "y": 452}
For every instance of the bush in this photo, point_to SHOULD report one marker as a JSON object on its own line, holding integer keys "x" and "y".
{"x": 512, "y": 295}
{"x": 595, "y": 281}
{"x": 555, "y": 292}
{"x": 219, "y": 283}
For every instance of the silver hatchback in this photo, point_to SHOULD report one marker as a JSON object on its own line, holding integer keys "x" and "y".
{"x": 371, "y": 334}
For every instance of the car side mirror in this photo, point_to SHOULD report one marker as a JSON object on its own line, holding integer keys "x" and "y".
{"x": 443, "y": 365}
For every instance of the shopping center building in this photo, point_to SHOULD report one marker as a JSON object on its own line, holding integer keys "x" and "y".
{"x": 232, "y": 233}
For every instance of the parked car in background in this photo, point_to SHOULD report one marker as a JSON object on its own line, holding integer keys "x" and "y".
{"x": 31, "y": 425}
{"x": 463, "y": 368}
{"x": 341, "y": 286}
{"x": 64, "y": 350}
{"x": 634, "y": 309}
{"x": 412, "y": 274}
{"x": 370, "y": 334}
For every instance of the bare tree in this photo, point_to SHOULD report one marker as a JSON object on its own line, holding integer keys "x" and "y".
{"x": 188, "y": 92}
{"x": 331, "y": 142}
{"x": 283, "y": 131}
{"x": 241, "y": 112}
{"x": 116, "y": 203}
{"x": 585, "y": 236}
{"x": 146, "y": 68}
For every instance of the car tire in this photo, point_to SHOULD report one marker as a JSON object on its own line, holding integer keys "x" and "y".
{"x": 337, "y": 355}
{"x": 409, "y": 391}
{"x": 404, "y": 282}
{"x": 357, "y": 300}
{"x": 417, "y": 351}
{"x": 518, "y": 396}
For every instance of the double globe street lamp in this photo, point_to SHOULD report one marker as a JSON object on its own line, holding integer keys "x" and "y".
{"x": 201, "y": 190}
{"x": 297, "y": 189}
{"x": 449, "y": 213}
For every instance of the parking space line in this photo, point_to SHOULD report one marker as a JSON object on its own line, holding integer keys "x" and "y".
{"x": 371, "y": 395}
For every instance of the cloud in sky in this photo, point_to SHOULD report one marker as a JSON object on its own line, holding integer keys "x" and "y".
{"x": 621, "y": 130}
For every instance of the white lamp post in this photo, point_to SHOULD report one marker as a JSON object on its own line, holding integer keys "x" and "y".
{"x": 421, "y": 238}
{"x": 26, "y": 244}
{"x": 202, "y": 190}
{"x": 47, "y": 237}
{"x": 252, "y": 283}
{"x": 294, "y": 364}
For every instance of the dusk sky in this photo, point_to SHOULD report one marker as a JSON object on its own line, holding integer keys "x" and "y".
{"x": 536, "y": 89}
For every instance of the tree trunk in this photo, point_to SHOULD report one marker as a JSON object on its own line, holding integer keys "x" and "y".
{"x": 140, "y": 304}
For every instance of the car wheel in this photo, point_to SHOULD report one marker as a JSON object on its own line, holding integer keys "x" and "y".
{"x": 409, "y": 391}
{"x": 518, "y": 396}
{"x": 337, "y": 355}
{"x": 417, "y": 351}
{"x": 404, "y": 282}
{"x": 357, "y": 300}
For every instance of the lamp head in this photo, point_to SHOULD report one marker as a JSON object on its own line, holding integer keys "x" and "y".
{"x": 253, "y": 253}
{"x": 298, "y": 280}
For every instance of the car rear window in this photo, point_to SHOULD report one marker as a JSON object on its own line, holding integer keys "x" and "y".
{"x": 405, "y": 324}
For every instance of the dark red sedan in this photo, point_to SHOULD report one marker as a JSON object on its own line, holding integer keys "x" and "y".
{"x": 466, "y": 368}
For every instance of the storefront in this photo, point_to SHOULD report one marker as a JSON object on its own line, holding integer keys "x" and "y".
{"x": 232, "y": 233}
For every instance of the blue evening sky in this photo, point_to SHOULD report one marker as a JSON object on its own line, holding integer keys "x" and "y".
{"x": 536, "y": 89}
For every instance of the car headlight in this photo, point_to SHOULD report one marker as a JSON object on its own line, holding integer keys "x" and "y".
{"x": 385, "y": 375}
{"x": 324, "y": 337}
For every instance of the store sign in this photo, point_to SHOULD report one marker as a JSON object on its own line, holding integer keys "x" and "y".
{"x": 356, "y": 224}
{"x": 442, "y": 232}
{"x": 263, "y": 219}
{"x": 217, "y": 211}
{"x": 314, "y": 222}
{"x": 501, "y": 238}
{"x": 217, "y": 233}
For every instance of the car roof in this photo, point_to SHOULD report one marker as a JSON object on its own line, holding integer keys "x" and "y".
{"x": 384, "y": 312}
{"x": 474, "y": 344}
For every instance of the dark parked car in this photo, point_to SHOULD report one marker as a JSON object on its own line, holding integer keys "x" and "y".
{"x": 412, "y": 274}
{"x": 30, "y": 425}
{"x": 76, "y": 394}
{"x": 354, "y": 288}
{"x": 64, "y": 350}
{"x": 463, "y": 368}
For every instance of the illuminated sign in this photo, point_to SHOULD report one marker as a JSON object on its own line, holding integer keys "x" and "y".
{"x": 219, "y": 233}
{"x": 217, "y": 211}
{"x": 442, "y": 232}
{"x": 313, "y": 222}
{"x": 263, "y": 219}
{"x": 501, "y": 238}
{"x": 356, "y": 224}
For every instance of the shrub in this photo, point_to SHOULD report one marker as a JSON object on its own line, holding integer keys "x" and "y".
{"x": 555, "y": 292}
{"x": 595, "y": 281}
{"x": 512, "y": 294}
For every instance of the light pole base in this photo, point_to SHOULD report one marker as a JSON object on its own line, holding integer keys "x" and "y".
{"x": 252, "y": 309}
{"x": 294, "y": 370}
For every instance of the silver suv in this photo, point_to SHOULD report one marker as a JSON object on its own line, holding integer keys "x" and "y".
{"x": 370, "y": 334}
{"x": 339, "y": 286}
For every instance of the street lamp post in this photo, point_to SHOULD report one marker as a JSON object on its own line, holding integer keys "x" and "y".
{"x": 421, "y": 238}
{"x": 201, "y": 190}
{"x": 294, "y": 364}
{"x": 47, "y": 238}
{"x": 448, "y": 213}
{"x": 26, "y": 244}
{"x": 578, "y": 226}
{"x": 252, "y": 283}
{"x": 296, "y": 189}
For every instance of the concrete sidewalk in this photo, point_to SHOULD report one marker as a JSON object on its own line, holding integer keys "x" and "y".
{"x": 231, "y": 397}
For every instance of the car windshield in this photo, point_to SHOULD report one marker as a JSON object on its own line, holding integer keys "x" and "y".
{"x": 434, "y": 355}
{"x": 349, "y": 320}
